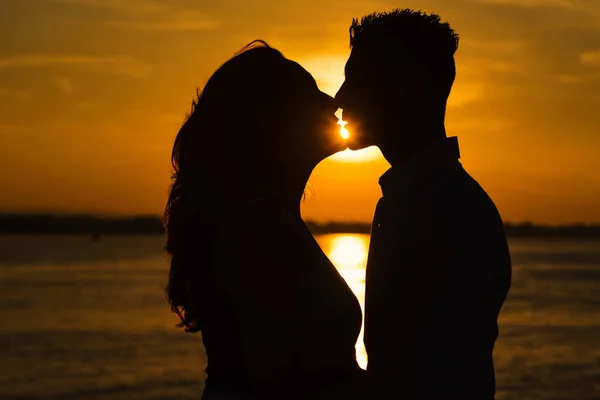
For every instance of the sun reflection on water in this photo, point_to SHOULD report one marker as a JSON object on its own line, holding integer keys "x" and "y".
{"x": 348, "y": 252}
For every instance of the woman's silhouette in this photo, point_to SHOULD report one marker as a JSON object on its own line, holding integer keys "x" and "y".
{"x": 277, "y": 320}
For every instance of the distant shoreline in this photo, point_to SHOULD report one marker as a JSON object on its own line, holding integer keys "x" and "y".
{"x": 51, "y": 224}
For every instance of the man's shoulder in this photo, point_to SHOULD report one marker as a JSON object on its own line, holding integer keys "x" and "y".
{"x": 459, "y": 185}
{"x": 456, "y": 195}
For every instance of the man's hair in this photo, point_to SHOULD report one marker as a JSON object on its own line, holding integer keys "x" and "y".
{"x": 399, "y": 35}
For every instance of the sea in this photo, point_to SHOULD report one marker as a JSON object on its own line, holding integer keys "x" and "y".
{"x": 87, "y": 319}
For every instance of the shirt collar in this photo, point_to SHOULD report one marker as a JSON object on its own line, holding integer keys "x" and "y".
{"x": 421, "y": 166}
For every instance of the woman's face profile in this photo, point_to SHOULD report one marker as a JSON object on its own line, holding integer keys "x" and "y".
{"x": 313, "y": 123}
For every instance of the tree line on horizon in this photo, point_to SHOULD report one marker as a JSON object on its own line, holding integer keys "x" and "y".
{"x": 97, "y": 226}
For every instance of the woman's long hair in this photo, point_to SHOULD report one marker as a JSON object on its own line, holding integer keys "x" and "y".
{"x": 210, "y": 148}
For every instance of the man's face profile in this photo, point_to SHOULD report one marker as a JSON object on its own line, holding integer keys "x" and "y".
{"x": 376, "y": 96}
{"x": 360, "y": 98}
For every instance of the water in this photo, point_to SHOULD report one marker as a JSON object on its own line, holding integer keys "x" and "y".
{"x": 86, "y": 319}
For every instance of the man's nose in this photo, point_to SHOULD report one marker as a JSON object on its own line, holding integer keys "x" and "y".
{"x": 328, "y": 101}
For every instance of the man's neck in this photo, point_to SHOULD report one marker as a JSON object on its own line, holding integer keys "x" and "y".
{"x": 398, "y": 153}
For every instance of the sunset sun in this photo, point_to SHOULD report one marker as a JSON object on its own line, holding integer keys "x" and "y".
{"x": 344, "y": 133}
{"x": 364, "y": 155}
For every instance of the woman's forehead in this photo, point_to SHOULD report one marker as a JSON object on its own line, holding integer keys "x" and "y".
{"x": 299, "y": 73}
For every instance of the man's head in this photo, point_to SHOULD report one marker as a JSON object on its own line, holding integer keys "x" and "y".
{"x": 399, "y": 74}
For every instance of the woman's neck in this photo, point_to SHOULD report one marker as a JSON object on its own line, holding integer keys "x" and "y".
{"x": 284, "y": 186}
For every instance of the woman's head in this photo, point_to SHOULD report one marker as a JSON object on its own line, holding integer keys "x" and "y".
{"x": 258, "y": 111}
{"x": 259, "y": 122}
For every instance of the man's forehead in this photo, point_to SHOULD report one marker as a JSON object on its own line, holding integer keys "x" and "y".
{"x": 360, "y": 58}
{"x": 366, "y": 59}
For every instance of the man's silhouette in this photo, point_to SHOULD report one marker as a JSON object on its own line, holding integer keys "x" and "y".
{"x": 439, "y": 268}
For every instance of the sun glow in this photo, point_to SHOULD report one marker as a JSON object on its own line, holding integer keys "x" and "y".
{"x": 344, "y": 133}
{"x": 369, "y": 154}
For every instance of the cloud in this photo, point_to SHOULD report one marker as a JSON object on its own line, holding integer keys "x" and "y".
{"x": 496, "y": 47}
{"x": 175, "y": 26}
{"x": 564, "y": 55}
{"x": 118, "y": 65}
{"x": 482, "y": 125}
{"x": 149, "y": 15}
{"x": 63, "y": 83}
{"x": 86, "y": 106}
{"x": 466, "y": 93}
{"x": 590, "y": 58}
{"x": 534, "y": 3}
{"x": 14, "y": 130}
{"x": 134, "y": 7}
{"x": 590, "y": 6}
{"x": 17, "y": 94}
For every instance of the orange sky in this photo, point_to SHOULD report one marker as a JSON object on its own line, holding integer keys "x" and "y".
{"x": 92, "y": 93}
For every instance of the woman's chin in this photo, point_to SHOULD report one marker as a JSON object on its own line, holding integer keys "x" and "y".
{"x": 335, "y": 145}
{"x": 355, "y": 144}
{"x": 342, "y": 145}
{"x": 331, "y": 151}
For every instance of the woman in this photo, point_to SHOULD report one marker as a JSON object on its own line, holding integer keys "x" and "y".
{"x": 277, "y": 320}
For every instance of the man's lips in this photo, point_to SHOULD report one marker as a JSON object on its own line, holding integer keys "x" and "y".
{"x": 349, "y": 117}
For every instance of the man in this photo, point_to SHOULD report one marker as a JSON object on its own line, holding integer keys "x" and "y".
{"x": 439, "y": 268}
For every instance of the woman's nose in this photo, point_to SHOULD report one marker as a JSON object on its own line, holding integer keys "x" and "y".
{"x": 339, "y": 96}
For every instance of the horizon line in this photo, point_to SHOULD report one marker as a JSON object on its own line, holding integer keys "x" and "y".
{"x": 127, "y": 216}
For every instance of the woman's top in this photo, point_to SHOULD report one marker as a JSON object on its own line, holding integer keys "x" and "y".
{"x": 279, "y": 319}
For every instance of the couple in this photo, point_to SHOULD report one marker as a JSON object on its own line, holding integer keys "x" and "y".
{"x": 277, "y": 320}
